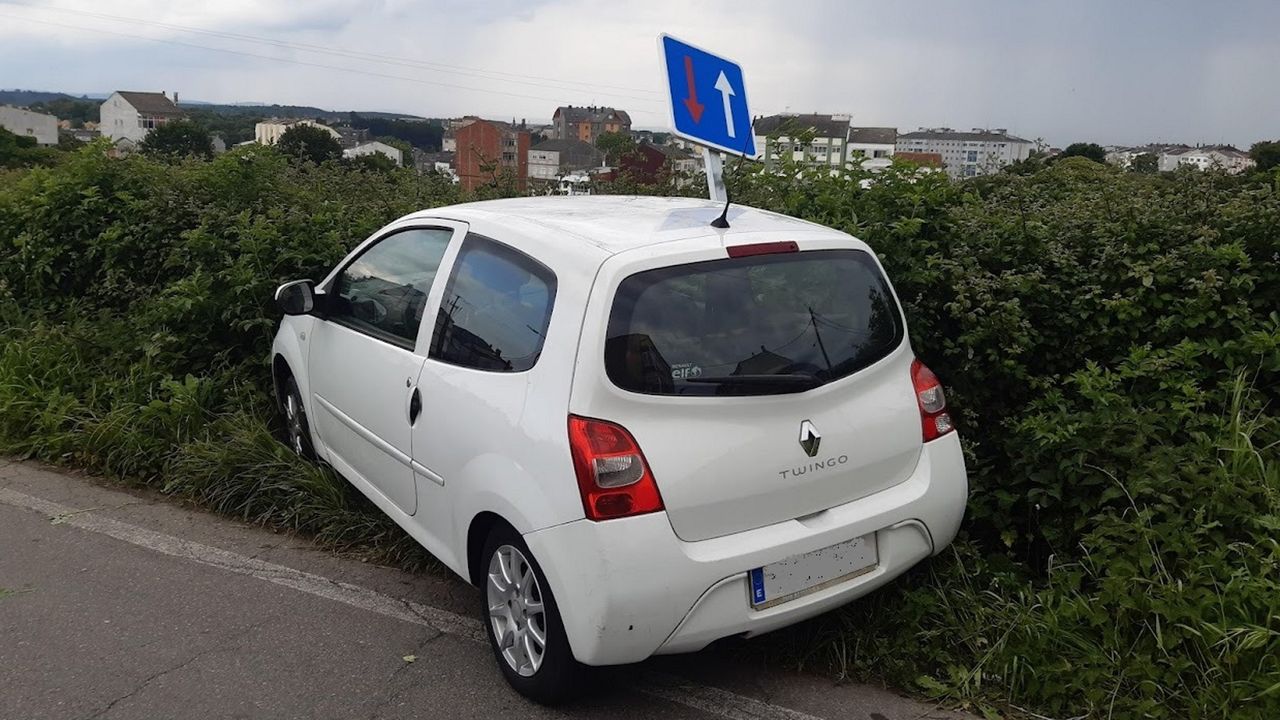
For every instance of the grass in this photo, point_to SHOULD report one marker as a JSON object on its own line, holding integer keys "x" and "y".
{"x": 206, "y": 440}
{"x": 1120, "y": 554}
{"x": 244, "y": 471}
{"x": 1144, "y": 622}
{"x": 1141, "y": 621}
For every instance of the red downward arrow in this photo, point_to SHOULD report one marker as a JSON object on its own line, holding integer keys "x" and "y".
{"x": 691, "y": 102}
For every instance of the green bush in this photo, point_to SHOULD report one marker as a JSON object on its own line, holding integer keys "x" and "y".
{"x": 1110, "y": 344}
{"x": 135, "y": 302}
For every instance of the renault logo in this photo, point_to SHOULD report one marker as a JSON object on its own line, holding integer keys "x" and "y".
{"x": 809, "y": 438}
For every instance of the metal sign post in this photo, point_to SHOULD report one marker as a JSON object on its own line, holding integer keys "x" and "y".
{"x": 715, "y": 175}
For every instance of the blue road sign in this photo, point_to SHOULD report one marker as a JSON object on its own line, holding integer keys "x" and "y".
{"x": 708, "y": 98}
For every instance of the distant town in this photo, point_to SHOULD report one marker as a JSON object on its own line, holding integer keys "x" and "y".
{"x": 581, "y": 144}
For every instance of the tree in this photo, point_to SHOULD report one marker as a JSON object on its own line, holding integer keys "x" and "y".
{"x": 1092, "y": 151}
{"x": 178, "y": 138}
{"x": 374, "y": 162}
{"x": 21, "y": 151}
{"x": 426, "y": 135}
{"x": 233, "y": 125}
{"x": 615, "y": 145}
{"x": 1032, "y": 164}
{"x": 1266, "y": 154}
{"x": 1146, "y": 163}
{"x": 76, "y": 110}
{"x": 309, "y": 143}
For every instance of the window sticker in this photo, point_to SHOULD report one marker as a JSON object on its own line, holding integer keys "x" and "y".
{"x": 684, "y": 371}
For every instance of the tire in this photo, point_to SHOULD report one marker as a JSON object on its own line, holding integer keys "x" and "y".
{"x": 297, "y": 428}
{"x": 507, "y": 605}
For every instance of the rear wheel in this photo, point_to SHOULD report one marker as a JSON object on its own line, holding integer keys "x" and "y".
{"x": 295, "y": 419}
{"x": 523, "y": 622}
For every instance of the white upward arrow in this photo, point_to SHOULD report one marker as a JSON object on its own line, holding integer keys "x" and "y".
{"x": 726, "y": 93}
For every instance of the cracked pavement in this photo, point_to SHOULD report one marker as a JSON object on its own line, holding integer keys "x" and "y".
{"x": 218, "y": 619}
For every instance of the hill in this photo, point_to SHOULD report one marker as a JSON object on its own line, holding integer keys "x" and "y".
{"x": 235, "y": 121}
{"x": 23, "y": 98}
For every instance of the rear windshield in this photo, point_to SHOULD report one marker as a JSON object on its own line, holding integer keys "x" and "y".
{"x": 760, "y": 325}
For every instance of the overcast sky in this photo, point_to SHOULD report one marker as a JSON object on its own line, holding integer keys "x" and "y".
{"x": 1098, "y": 70}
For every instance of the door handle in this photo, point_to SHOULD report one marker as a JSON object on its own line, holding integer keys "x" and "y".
{"x": 415, "y": 406}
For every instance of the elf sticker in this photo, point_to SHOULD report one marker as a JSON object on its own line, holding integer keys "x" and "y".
{"x": 684, "y": 371}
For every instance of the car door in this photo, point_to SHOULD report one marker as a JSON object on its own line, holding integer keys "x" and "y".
{"x": 479, "y": 377}
{"x": 365, "y": 356}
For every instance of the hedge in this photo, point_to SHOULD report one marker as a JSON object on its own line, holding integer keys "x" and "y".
{"x": 1110, "y": 343}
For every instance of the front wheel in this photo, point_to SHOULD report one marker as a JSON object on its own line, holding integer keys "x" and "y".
{"x": 523, "y": 623}
{"x": 296, "y": 425}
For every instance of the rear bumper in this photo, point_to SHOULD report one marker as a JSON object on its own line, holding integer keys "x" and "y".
{"x": 630, "y": 588}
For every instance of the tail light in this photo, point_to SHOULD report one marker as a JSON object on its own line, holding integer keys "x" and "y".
{"x": 613, "y": 477}
{"x": 934, "y": 419}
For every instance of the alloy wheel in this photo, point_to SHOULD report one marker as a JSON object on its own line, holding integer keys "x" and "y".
{"x": 293, "y": 417}
{"x": 516, "y": 611}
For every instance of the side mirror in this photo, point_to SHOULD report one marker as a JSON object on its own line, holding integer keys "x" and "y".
{"x": 297, "y": 297}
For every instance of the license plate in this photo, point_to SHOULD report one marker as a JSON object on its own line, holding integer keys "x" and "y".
{"x": 802, "y": 574}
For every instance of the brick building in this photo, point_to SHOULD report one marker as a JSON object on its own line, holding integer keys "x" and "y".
{"x": 648, "y": 161}
{"x": 488, "y": 149}
{"x": 588, "y": 123}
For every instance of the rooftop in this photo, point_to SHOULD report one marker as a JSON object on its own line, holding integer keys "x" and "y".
{"x": 151, "y": 103}
{"x": 504, "y": 126}
{"x": 670, "y": 151}
{"x": 25, "y": 110}
{"x": 591, "y": 113}
{"x": 614, "y": 223}
{"x": 820, "y": 125}
{"x": 1228, "y": 150}
{"x": 873, "y": 135}
{"x": 977, "y": 134}
{"x": 926, "y": 159}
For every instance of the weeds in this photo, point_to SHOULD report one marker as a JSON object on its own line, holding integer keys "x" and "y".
{"x": 1110, "y": 344}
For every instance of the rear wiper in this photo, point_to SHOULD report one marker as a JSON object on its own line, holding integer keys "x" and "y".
{"x": 788, "y": 379}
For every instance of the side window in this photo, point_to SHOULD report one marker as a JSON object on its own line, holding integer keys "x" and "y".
{"x": 495, "y": 310}
{"x": 383, "y": 292}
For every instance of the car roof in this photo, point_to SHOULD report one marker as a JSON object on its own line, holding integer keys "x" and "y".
{"x": 611, "y": 223}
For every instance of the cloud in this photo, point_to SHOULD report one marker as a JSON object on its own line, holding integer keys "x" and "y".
{"x": 1092, "y": 69}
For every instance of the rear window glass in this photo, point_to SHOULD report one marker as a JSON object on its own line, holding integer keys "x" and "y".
{"x": 765, "y": 324}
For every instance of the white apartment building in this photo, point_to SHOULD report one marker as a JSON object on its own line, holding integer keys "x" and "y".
{"x": 1206, "y": 157}
{"x": 1121, "y": 156}
{"x": 552, "y": 159}
{"x": 24, "y": 123}
{"x": 1174, "y": 158}
{"x": 818, "y": 140}
{"x": 269, "y": 132}
{"x": 375, "y": 148}
{"x": 127, "y": 115}
{"x": 449, "y": 142}
{"x": 967, "y": 154}
{"x": 871, "y": 147}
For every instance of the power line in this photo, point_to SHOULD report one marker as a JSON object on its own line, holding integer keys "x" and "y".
{"x": 485, "y": 74}
{"x": 297, "y": 62}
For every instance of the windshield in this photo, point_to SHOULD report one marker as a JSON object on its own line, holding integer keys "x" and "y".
{"x": 763, "y": 324}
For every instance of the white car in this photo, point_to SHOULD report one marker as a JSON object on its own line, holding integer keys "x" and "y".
{"x": 635, "y": 432}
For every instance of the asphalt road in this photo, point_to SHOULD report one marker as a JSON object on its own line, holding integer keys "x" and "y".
{"x": 121, "y": 605}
